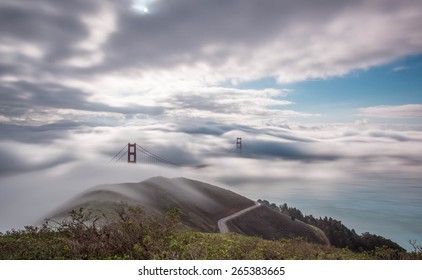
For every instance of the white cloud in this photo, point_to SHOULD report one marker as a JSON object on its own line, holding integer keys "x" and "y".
{"x": 400, "y": 68}
{"x": 399, "y": 111}
{"x": 187, "y": 49}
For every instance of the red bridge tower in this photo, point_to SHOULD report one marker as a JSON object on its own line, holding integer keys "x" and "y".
{"x": 131, "y": 153}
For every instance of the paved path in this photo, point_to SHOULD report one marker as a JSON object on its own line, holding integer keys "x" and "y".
{"x": 222, "y": 223}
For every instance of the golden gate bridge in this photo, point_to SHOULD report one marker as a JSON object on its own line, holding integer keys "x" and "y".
{"x": 134, "y": 153}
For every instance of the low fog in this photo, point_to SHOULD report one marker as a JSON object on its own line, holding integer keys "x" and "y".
{"x": 275, "y": 163}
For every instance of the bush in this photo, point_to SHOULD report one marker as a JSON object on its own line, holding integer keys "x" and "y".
{"x": 131, "y": 234}
{"x": 33, "y": 243}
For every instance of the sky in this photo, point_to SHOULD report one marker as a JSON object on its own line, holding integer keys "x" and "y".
{"x": 250, "y": 62}
{"x": 319, "y": 91}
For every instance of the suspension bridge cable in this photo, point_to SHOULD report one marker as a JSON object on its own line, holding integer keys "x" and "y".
{"x": 157, "y": 158}
{"x": 121, "y": 156}
{"x": 231, "y": 149}
{"x": 118, "y": 154}
{"x": 153, "y": 156}
{"x": 148, "y": 157}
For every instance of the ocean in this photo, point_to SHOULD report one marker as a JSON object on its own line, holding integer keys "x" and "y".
{"x": 392, "y": 209}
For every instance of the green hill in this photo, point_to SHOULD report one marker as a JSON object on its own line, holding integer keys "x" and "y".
{"x": 164, "y": 218}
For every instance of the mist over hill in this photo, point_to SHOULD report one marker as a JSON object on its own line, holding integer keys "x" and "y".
{"x": 201, "y": 206}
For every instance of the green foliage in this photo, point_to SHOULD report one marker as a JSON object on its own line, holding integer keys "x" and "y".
{"x": 234, "y": 246}
{"x": 33, "y": 243}
{"x": 135, "y": 235}
{"x": 339, "y": 235}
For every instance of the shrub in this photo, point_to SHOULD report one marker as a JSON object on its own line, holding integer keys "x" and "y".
{"x": 132, "y": 234}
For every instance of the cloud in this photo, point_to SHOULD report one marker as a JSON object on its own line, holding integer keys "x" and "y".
{"x": 43, "y": 103}
{"x": 21, "y": 158}
{"x": 103, "y": 60}
{"x": 249, "y": 39}
{"x": 44, "y": 134}
{"x": 50, "y": 32}
{"x": 400, "y": 68}
{"x": 201, "y": 142}
{"x": 232, "y": 105}
{"x": 53, "y": 102}
{"x": 400, "y": 111}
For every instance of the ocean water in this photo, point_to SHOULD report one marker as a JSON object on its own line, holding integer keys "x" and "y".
{"x": 390, "y": 208}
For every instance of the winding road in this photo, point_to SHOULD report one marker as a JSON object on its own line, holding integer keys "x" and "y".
{"x": 222, "y": 223}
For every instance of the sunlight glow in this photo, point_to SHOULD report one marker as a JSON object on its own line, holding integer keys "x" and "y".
{"x": 141, "y": 6}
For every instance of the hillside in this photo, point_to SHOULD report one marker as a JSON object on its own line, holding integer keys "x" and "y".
{"x": 269, "y": 224}
{"x": 201, "y": 206}
{"x": 137, "y": 235}
{"x": 140, "y": 236}
{"x": 174, "y": 219}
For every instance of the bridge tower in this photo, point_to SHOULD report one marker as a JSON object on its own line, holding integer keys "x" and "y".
{"x": 239, "y": 144}
{"x": 131, "y": 153}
